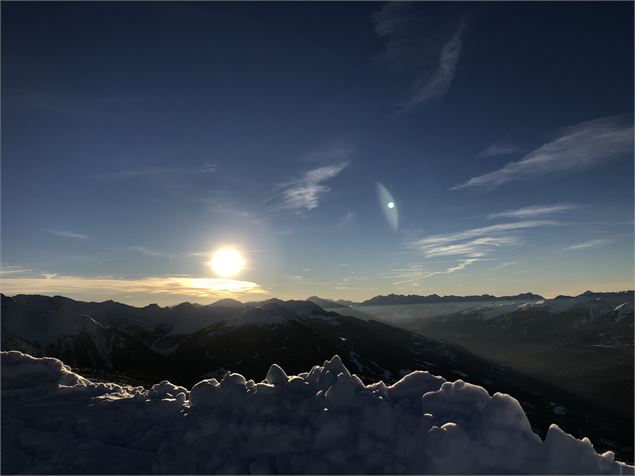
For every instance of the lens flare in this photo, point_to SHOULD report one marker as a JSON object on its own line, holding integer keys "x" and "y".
{"x": 388, "y": 206}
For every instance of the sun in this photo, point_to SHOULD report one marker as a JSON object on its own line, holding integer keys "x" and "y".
{"x": 227, "y": 262}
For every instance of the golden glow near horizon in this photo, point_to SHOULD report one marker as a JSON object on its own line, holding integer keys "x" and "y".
{"x": 227, "y": 262}
{"x": 170, "y": 290}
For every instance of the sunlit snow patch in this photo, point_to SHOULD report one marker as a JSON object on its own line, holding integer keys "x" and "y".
{"x": 325, "y": 421}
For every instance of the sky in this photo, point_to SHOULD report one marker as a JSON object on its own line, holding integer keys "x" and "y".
{"x": 138, "y": 138}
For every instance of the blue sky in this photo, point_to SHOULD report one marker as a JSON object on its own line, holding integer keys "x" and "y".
{"x": 139, "y": 138}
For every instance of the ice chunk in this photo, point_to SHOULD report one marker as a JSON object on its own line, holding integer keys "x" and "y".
{"x": 205, "y": 392}
{"x": 342, "y": 393}
{"x": 414, "y": 385}
{"x": 276, "y": 376}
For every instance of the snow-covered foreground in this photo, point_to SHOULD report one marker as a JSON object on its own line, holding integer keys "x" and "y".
{"x": 323, "y": 421}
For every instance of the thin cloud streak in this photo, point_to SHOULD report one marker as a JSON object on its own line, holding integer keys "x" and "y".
{"x": 580, "y": 146}
{"x": 439, "y": 83}
{"x": 405, "y": 275}
{"x": 535, "y": 210}
{"x": 206, "y": 168}
{"x": 14, "y": 270}
{"x": 346, "y": 220}
{"x": 417, "y": 272}
{"x": 479, "y": 232}
{"x": 460, "y": 266}
{"x": 473, "y": 245}
{"x": 146, "y": 251}
{"x": 503, "y": 265}
{"x": 588, "y": 244}
{"x": 475, "y": 248}
{"x": 69, "y": 234}
{"x": 206, "y": 254}
{"x": 329, "y": 154}
{"x": 497, "y": 149}
{"x": 305, "y": 192}
{"x": 416, "y": 41}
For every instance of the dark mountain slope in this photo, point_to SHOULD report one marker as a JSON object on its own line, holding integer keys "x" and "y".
{"x": 584, "y": 344}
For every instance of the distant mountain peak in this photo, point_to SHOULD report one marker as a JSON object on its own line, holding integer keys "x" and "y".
{"x": 324, "y": 303}
{"x": 227, "y": 302}
{"x": 599, "y": 294}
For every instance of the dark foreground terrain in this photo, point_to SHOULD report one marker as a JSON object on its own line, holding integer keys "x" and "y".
{"x": 187, "y": 343}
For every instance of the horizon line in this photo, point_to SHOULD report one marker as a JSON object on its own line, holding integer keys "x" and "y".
{"x": 335, "y": 301}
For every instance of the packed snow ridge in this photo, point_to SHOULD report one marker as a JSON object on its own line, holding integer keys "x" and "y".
{"x": 324, "y": 421}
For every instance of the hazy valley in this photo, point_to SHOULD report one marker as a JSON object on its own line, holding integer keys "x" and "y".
{"x": 582, "y": 343}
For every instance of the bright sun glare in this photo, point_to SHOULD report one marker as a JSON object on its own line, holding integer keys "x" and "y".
{"x": 227, "y": 262}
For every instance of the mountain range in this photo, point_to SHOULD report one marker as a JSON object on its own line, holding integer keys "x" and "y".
{"x": 582, "y": 343}
{"x": 393, "y": 299}
{"x": 188, "y": 342}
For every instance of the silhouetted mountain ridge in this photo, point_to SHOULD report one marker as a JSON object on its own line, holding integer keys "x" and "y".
{"x": 395, "y": 299}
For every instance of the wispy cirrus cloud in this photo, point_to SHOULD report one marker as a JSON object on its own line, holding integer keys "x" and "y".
{"x": 474, "y": 244}
{"x": 480, "y": 233}
{"x": 305, "y": 193}
{"x": 588, "y": 244}
{"x": 424, "y": 44}
{"x": 534, "y": 211}
{"x": 69, "y": 234}
{"x": 416, "y": 272}
{"x": 405, "y": 274}
{"x": 205, "y": 168}
{"x": 5, "y": 270}
{"x": 503, "y": 265}
{"x": 330, "y": 154}
{"x": 498, "y": 148}
{"x": 578, "y": 147}
{"x": 146, "y": 251}
{"x": 474, "y": 248}
{"x": 461, "y": 265}
{"x": 439, "y": 83}
{"x": 346, "y": 220}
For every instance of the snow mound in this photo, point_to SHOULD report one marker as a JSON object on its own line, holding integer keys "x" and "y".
{"x": 322, "y": 421}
